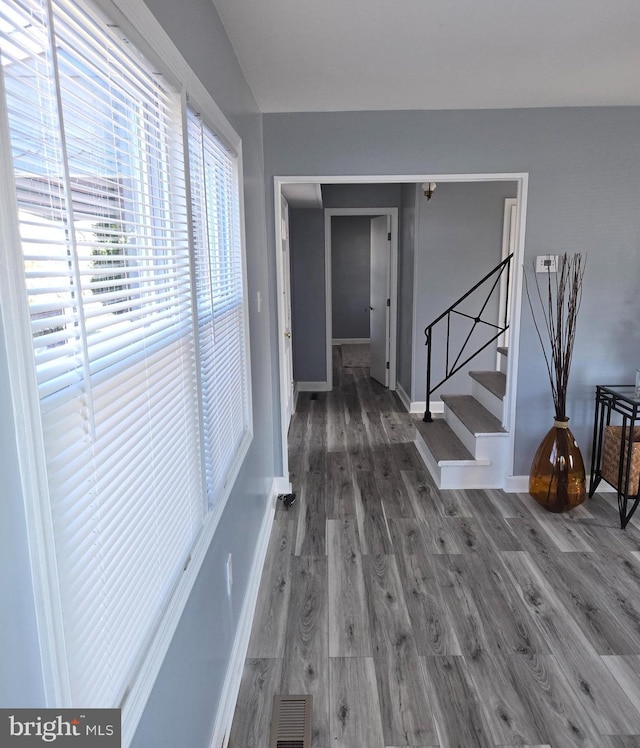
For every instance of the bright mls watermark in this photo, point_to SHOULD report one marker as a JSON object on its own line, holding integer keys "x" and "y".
{"x": 61, "y": 727}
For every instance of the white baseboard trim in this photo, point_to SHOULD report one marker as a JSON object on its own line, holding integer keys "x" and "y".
{"x": 516, "y": 484}
{"x": 603, "y": 487}
{"x": 349, "y": 341}
{"x": 419, "y": 406}
{"x": 312, "y": 387}
{"x": 231, "y": 688}
{"x": 404, "y": 398}
{"x": 280, "y": 485}
{"x": 520, "y": 484}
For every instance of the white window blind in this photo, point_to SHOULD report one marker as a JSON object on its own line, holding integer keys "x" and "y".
{"x": 98, "y": 158}
{"x": 219, "y": 284}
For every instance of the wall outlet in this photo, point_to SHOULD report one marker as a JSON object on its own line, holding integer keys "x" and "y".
{"x": 229, "y": 570}
{"x": 547, "y": 264}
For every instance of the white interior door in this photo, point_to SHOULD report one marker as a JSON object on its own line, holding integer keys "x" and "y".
{"x": 289, "y": 402}
{"x": 379, "y": 295}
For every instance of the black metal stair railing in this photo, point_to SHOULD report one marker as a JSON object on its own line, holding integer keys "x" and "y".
{"x": 453, "y": 365}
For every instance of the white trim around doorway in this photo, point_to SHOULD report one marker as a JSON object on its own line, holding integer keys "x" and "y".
{"x": 522, "y": 181}
{"x": 350, "y": 341}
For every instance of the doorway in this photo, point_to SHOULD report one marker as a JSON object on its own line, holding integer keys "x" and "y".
{"x": 285, "y": 303}
{"x": 521, "y": 179}
{"x": 383, "y": 292}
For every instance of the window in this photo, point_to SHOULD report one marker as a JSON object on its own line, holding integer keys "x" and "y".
{"x": 216, "y": 232}
{"x": 136, "y": 303}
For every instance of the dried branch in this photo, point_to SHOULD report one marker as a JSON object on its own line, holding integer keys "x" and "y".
{"x": 559, "y": 311}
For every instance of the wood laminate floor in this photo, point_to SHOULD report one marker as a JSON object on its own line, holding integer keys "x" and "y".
{"x": 418, "y": 617}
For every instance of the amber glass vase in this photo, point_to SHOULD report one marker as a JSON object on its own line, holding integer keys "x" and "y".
{"x": 557, "y": 478}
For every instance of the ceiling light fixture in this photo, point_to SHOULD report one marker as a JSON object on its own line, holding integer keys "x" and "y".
{"x": 429, "y": 188}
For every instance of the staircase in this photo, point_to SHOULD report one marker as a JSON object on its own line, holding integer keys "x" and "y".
{"x": 468, "y": 447}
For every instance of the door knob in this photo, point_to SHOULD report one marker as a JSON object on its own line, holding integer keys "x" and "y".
{"x": 287, "y": 334}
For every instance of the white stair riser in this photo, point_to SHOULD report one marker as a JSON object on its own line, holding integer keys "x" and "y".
{"x": 488, "y": 400}
{"x": 504, "y": 363}
{"x": 471, "y": 476}
{"x": 480, "y": 446}
{"x": 491, "y": 447}
{"x": 428, "y": 459}
{"x": 489, "y": 468}
{"x": 460, "y": 430}
{"x": 463, "y": 473}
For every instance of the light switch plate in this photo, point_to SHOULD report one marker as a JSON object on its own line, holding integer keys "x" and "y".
{"x": 547, "y": 264}
{"x": 229, "y": 575}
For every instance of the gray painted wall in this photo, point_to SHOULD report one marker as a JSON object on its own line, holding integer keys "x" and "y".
{"x": 190, "y": 682}
{"x": 406, "y": 274}
{"x": 191, "y": 679}
{"x": 308, "y": 308}
{"x": 584, "y": 167}
{"x": 350, "y": 276}
{"x": 459, "y": 240}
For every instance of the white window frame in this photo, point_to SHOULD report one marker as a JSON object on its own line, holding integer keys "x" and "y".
{"x": 129, "y": 15}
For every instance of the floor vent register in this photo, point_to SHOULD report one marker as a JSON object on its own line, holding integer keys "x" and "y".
{"x": 291, "y": 722}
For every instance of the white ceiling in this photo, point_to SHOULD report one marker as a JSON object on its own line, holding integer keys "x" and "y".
{"x": 302, "y": 195}
{"x": 334, "y": 55}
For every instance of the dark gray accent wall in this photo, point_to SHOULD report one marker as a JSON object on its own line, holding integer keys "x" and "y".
{"x": 459, "y": 240}
{"x": 308, "y": 307}
{"x": 361, "y": 195}
{"x": 406, "y": 255}
{"x": 307, "y": 272}
{"x": 584, "y": 167}
{"x": 350, "y": 276}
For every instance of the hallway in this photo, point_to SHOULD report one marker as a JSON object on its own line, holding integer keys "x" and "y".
{"x": 418, "y": 617}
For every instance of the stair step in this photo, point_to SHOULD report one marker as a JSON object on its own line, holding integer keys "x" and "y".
{"x": 441, "y": 441}
{"x": 503, "y": 358}
{"x": 474, "y": 417}
{"x": 494, "y": 381}
{"x": 451, "y": 464}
